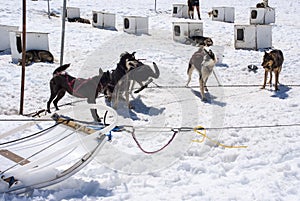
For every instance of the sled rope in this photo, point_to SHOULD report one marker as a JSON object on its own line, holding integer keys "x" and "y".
{"x": 216, "y": 86}
{"x": 175, "y": 132}
{"x": 203, "y": 134}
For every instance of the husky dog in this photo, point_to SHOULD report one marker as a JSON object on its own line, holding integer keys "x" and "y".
{"x": 129, "y": 69}
{"x": 201, "y": 40}
{"x": 272, "y": 62}
{"x": 204, "y": 61}
{"x": 213, "y": 13}
{"x": 80, "y": 20}
{"x": 62, "y": 82}
{"x": 38, "y": 56}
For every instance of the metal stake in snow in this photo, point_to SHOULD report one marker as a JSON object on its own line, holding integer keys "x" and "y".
{"x": 63, "y": 33}
{"x": 49, "y": 9}
{"x": 23, "y": 57}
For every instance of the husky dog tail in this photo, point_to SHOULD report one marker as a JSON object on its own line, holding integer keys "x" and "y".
{"x": 60, "y": 69}
{"x": 157, "y": 72}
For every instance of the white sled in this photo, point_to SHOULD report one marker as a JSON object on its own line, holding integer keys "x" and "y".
{"x": 56, "y": 150}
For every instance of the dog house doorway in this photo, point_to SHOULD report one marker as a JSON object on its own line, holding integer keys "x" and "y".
{"x": 126, "y": 23}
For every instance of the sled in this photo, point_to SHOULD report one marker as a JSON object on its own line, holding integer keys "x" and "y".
{"x": 59, "y": 149}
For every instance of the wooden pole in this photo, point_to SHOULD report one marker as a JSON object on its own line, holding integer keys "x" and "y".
{"x": 23, "y": 57}
{"x": 63, "y": 17}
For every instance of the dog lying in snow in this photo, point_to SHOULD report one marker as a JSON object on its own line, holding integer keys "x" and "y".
{"x": 203, "y": 61}
{"x": 201, "y": 40}
{"x": 37, "y": 56}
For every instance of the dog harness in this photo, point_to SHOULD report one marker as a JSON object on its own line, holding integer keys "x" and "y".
{"x": 79, "y": 83}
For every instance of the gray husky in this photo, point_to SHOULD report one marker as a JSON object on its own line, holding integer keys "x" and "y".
{"x": 204, "y": 61}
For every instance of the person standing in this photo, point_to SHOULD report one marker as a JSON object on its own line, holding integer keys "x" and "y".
{"x": 190, "y": 9}
{"x": 195, "y": 3}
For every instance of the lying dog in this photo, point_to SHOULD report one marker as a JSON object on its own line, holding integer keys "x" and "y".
{"x": 80, "y": 20}
{"x": 201, "y": 40}
{"x": 272, "y": 62}
{"x": 37, "y": 56}
{"x": 204, "y": 61}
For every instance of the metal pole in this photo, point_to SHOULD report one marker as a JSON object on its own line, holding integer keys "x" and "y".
{"x": 23, "y": 57}
{"x": 63, "y": 33}
{"x": 49, "y": 9}
{"x": 155, "y": 6}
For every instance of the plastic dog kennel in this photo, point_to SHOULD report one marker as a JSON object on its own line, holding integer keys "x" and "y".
{"x": 253, "y": 36}
{"x": 223, "y": 14}
{"x": 135, "y": 24}
{"x": 262, "y": 15}
{"x": 104, "y": 20}
{"x": 180, "y": 10}
{"x": 73, "y": 12}
{"x": 4, "y": 36}
{"x": 34, "y": 41}
{"x": 185, "y": 29}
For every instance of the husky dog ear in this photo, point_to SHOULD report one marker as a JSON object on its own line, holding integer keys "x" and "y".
{"x": 123, "y": 54}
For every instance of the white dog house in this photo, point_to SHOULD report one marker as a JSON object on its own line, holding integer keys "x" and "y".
{"x": 4, "y": 36}
{"x": 223, "y": 14}
{"x": 104, "y": 20}
{"x": 34, "y": 41}
{"x": 184, "y": 29}
{"x": 253, "y": 36}
{"x": 73, "y": 12}
{"x": 262, "y": 15}
{"x": 180, "y": 10}
{"x": 136, "y": 24}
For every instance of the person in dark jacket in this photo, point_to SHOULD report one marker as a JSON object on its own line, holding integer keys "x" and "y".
{"x": 195, "y": 3}
{"x": 191, "y": 9}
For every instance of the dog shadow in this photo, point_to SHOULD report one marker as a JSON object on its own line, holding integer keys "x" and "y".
{"x": 210, "y": 98}
{"x": 222, "y": 65}
{"x": 282, "y": 93}
{"x": 139, "y": 108}
{"x": 5, "y": 52}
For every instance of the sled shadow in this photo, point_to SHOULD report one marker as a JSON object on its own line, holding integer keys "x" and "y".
{"x": 70, "y": 192}
{"x": 282, "y": 93}
{"x": 210, "y": 98}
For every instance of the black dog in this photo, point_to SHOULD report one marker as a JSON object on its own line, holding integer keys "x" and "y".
{"x": 127, "y": 62}
{"x": 129, "y": 69}
{"x": 62, "y": 82}
{"x": 272, "y": 62}
{"x": 80, "y": 20}
{"x": 201, "y": 40}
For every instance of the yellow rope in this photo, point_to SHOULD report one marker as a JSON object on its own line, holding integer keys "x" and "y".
{"x": 203, "y": 133}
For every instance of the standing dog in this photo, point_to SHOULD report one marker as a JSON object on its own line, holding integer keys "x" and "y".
{"x": 129, "y": 69}
{"x": 62, "y": 82}
{"x": 272, "y": 62}
{"x": 204, "y": 61}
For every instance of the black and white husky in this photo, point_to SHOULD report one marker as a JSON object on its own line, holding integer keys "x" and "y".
{"x": 204, "y": 61}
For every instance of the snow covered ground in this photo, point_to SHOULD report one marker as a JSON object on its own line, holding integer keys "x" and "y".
{"x": 268, "y": 169}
